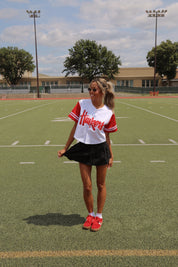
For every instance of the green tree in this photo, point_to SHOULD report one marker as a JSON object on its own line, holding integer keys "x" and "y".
{"x": 89, "y": 60}
{"x": 166, "y": 59}
{"x": 13, "y": 63}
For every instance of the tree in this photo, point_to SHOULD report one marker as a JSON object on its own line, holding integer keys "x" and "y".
{"x": 166, "y": 59}
{"x": 13, "y": 63}
{"x": 89, "y": 60}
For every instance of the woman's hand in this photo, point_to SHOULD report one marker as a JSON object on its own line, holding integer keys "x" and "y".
{"x": 110, "y": 163}
{"x": 61, "y": 152}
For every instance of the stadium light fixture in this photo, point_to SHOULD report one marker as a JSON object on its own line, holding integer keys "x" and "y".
{"x": 156, "y": 14}
{"x": 35, "y": 14}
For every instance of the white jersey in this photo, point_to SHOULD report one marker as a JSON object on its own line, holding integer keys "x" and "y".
{"x": 92, "y": 122}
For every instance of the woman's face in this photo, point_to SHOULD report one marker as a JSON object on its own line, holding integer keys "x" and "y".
{"x": 95, "y": 91}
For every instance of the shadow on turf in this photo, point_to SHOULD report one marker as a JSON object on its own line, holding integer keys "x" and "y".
{"x": 55, "y": 219}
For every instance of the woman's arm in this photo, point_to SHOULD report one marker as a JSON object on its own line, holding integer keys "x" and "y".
{"x": 109, "y": 144}
{"x": 69, "y": 141}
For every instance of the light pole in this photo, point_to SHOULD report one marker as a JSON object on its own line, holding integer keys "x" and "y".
{"x": 35, "y": 14}
{"x": 155, "y": 14}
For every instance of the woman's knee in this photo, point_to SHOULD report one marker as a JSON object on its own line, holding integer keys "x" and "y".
{"x": 87, "y": 188}
{"x": 101, "y": 186}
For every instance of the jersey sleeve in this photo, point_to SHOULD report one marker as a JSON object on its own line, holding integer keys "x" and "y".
{"x": 111, "y": 126}
{"x": 75, "y": 113}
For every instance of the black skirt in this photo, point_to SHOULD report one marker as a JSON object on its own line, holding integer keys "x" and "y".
{"x": 98, "y": 154}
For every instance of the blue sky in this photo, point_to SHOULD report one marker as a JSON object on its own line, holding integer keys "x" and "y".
{"x": 120, "y": 25}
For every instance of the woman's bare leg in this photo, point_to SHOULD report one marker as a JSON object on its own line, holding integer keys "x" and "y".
{"x": 101, "y": 177}
{"x": 85, "y": 171}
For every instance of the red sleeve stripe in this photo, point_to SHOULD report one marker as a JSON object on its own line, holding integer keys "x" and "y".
{"x": 112, "y": 129}
{"x": 73, "y": 116}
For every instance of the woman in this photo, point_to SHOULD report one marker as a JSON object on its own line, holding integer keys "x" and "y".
{"x": 94, "y": 120}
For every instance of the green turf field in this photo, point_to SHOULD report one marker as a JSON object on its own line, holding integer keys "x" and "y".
{"x": 41, "y": 203}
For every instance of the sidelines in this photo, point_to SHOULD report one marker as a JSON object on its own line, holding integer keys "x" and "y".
{"x": 28, "y": 109}
{"x": 89, "y": 253}
{"x": 147, "y": 110}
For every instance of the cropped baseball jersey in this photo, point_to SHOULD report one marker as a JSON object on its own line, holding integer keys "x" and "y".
{"x": 92, "y": 123}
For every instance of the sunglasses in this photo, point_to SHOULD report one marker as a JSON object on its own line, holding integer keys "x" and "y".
{"x": 94, "y": 90}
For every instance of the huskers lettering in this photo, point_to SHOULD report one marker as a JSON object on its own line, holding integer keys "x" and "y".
{"x": 84, "y": 118}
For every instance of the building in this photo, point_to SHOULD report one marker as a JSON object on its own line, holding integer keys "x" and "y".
{"x": 127, "y": 77}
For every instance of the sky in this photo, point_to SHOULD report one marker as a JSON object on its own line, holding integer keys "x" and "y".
{"x": 121, "y": 25}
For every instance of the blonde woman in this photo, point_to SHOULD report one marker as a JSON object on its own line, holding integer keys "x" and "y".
{"x": 94, "y": 121}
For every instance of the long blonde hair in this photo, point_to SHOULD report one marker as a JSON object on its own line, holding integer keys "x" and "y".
{"x": 107, "y": 90}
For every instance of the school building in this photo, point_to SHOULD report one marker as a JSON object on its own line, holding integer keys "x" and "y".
{"x": 126, "y": 77}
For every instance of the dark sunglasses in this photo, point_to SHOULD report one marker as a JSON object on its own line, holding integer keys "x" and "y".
{"x": 94, "y": 90}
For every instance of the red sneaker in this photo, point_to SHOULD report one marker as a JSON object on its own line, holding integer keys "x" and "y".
{"x": 96, "y": 225}
{"x": 88, "y": 223}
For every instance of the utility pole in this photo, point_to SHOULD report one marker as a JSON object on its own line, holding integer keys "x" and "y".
{"x": 155, "y": 14}
{"x": 35, "y": 14}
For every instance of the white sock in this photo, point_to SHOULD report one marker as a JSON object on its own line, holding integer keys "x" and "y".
{"x": 99, "y": 215}
{"x": 92, "y": 214}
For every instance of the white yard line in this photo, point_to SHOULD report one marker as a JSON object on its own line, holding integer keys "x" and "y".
{"x": 27, "y": 163}
{"x": 121, "y": 117}
{"x": 61, "y": 119}
{"x": 66, "y": 162}
{"x": 157, "y": 161}
{"x": 141, "y": 141}
{"x": 8, "y": 146}
{"x": 147, "y": 110}
{"x": 50, "y": 145}
{"x": 172, "y": 141}
{"x": 47, "y": 142}
{"x": 145, "y": 144}
{"x": 25, "y": 110}
{"x": 15, "y": 143}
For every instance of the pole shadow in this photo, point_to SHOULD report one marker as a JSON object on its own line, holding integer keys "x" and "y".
{"x": 55, "y": 219}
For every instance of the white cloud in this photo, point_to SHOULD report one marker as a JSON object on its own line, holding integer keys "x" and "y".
{"x": 9, "y": 13}
{"x": 19, "y": 1}
{"x": 64, "y": 2}
{"x": 53, "y": 65}
{"x": 17, "y": 34}
{"x": 116, "y": 12}
{"x": 121, "y": 26}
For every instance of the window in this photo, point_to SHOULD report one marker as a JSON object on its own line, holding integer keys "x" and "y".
{"x": 118, "y": 83}
{"x": 75, "y": 82}
{"x": 128, "y": 83}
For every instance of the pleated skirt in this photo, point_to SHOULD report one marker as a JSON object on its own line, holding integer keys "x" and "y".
{"x": 97, "y": 154}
